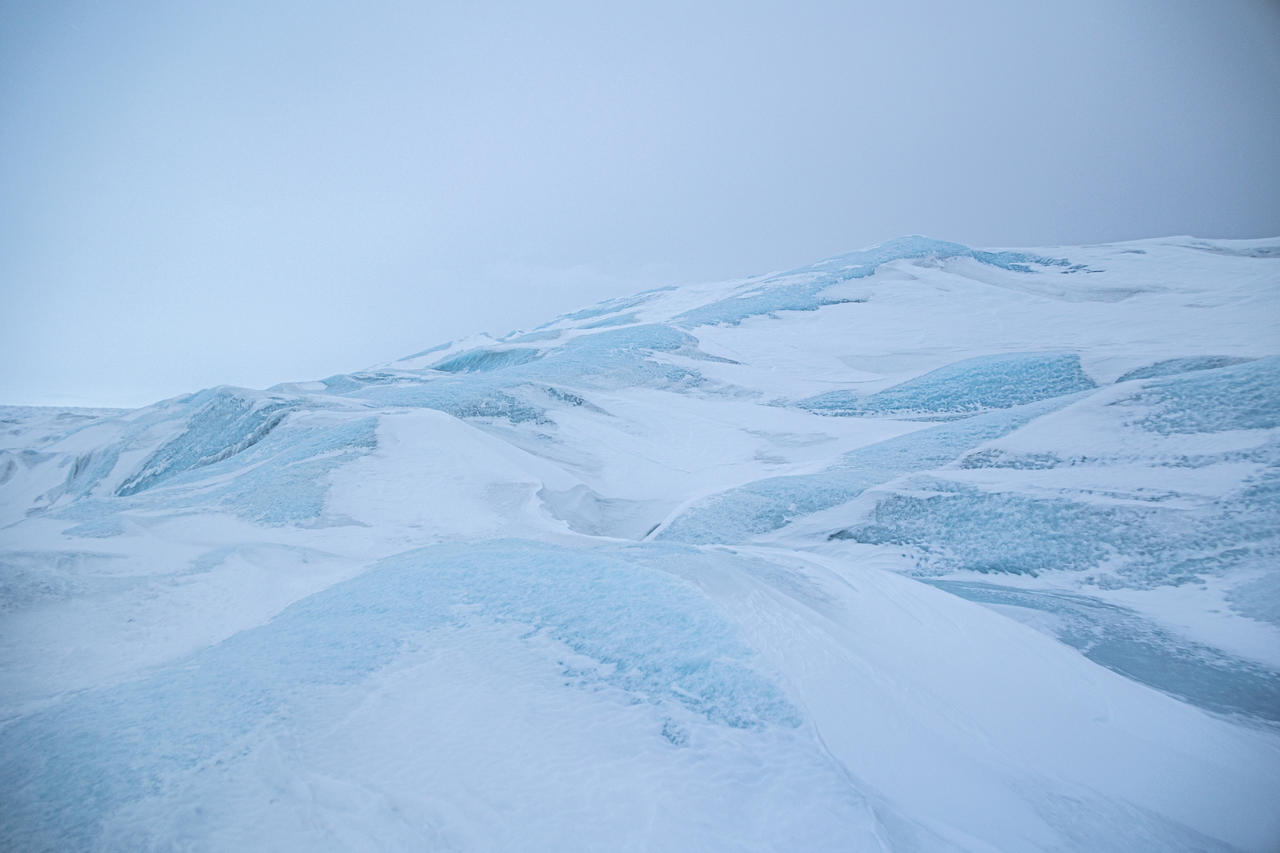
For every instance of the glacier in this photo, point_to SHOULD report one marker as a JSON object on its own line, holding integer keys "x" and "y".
{"x": 921, "y": 547}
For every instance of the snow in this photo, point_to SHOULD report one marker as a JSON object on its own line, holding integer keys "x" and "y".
{"x": 922, "y": 547}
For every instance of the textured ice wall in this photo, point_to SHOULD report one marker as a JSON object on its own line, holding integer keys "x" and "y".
{"x": 280, "y": 479}
{"x": 964, "y": 388}
{"x": 1139, "y": 543}
{"x": 958, "y": 527}
{"x": 1174, "y": 366}
{"x": 480, "y": 360}
{"x": 804, "y": 289}
{"x": 224, "y": 423}
{"x": 1133, "y": 646}
{"x": 516, "y": 388}
{"x": 1243, "y": 396}
{"x": 766, "y": 505}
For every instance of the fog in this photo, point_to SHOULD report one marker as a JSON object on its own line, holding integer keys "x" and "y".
{"x": 203, "y": 193}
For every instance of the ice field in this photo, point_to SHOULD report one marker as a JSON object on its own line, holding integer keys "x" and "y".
{"x": 922, "y": 547}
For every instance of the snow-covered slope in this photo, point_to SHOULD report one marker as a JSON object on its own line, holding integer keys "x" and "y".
{"x": 918, "y": 548}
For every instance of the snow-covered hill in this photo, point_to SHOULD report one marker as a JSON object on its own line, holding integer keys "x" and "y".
{"x": 920, "y": 547}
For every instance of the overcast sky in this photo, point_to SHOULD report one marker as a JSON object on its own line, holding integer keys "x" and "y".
{"x": 251, "y": 192}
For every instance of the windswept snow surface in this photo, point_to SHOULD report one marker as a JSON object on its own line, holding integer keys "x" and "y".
{"x": 918, "y": 548}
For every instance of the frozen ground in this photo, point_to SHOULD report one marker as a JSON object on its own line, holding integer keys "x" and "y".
{"x": 918, "y": 548}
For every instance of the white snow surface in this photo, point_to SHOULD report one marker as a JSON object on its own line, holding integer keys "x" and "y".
{"x": 917, "y": 548}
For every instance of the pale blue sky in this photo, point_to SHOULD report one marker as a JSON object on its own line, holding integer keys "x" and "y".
{"x": 199, "y": 193}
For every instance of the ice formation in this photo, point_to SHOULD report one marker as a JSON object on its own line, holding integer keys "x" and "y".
{"x": 921, "y": 547}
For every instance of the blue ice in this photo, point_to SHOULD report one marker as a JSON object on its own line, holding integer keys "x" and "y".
{"x": 1131, "y": 645}
{"x": 607, "y": 307}
{"x": 610, "y": 306}
{"x": 508, "y": 388}
{"x": 965, "y": 387}
{"x": 766, "y": 505}
{"x": 781, "y": 292}
{"x": 98, "y": 528}
{"x": 224, "y": 423}
{"x": 1242, "y": 396}
{"x": 287, "y": 483}
{"x": 958, "y": 527}
{"x": 619, "y": 320}
{"x": 953, "y": 527}
{"x": 962, "y": 527}
{"x": 1174, "y": 366}
{"x": 89, "y": 469}
{"x": 462, "y": 397}
{"x": 279, "y": 479}
{"x": 66, "y": 768}
{"x": 477, "y": 360}
{"x": 346, "y": 383}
